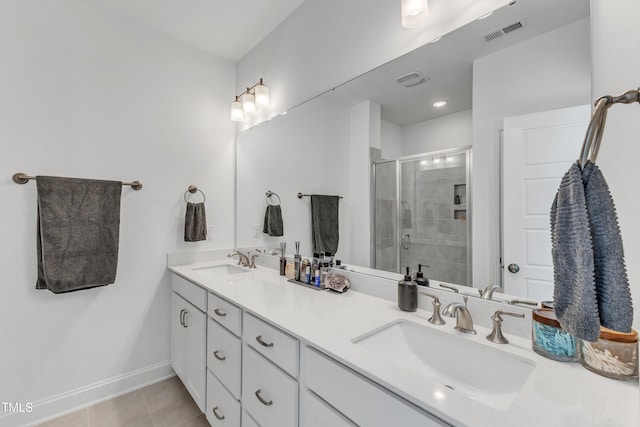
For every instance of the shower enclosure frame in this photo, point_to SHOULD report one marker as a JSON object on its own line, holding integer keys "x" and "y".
{"x": 467, "y": 151}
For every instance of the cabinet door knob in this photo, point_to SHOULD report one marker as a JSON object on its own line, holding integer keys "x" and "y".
{"x": 215, "y": 412}
{"x": 264, "y": 402}
{"x": 262, "y": 343}
{"x": 219, "y": 312}
{"x": 217, "y": 356}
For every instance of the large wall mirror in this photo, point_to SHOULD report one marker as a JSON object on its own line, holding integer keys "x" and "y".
{"x": 441, "y": 186}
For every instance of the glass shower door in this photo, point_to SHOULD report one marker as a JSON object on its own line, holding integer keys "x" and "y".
{"x": 386, "y": 224}
{"x": 432, "y": 214}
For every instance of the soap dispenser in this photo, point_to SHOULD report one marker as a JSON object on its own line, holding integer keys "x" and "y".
{"x": 420, "y": 279}
{"x": 407, "y": 293}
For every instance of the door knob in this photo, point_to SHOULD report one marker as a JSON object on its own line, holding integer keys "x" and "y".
{"x": 513, "y": 268}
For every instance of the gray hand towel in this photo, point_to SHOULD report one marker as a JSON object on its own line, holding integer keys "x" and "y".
{"x": 195, "y": 223}
{"x": 324, "y": 223}
{"x": 612, "y": 285}
{"x": 78, "y": 233}
{"x": 574, "y": 285}
{"x": 273, "y": 225}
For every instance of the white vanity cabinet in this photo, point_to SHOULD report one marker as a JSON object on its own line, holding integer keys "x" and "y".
{"x": 269, "y": 370}
{"x": 188, "y": 337}
{"x": 358, "y": 399}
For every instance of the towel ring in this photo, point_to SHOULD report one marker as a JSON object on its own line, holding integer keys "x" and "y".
{"x": 270, "y": 193}
{"x": 193, "y": 189}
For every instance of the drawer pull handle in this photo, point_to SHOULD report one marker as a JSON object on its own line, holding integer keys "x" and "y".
{"x": 181, "y": 319}
{"x": 262, "y": 343}
{"x": 264, "y": 402}
{"x": 185, "y": 318}
{"x": 221, "y": 358}
{"x": 215, "y": 412}
{"x": 219, "y": 312}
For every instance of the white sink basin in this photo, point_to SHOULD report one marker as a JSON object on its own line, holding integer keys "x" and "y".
{"x": 220, "y": 271}
{"x": 479, "y": 372}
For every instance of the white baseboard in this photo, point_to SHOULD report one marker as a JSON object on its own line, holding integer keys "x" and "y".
{"x": 65, "y": 403}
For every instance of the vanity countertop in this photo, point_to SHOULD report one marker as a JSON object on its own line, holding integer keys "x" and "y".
{"x": 556, "y": 393}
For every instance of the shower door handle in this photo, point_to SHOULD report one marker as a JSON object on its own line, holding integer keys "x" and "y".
{"x": 406, "y": 241}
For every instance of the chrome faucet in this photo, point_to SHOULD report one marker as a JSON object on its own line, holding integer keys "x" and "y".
{"x": 451, "y": 288}
{"x": 242, "y": 258}
{"x": 252, "y": 264}
{"x": 487, "y": 293}
{"x": 464, "y": 322}
{"x": 496, "y": 334}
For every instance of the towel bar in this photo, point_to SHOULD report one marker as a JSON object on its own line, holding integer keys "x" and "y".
{"x": 300, "y": 195}
{"x": 23, "y": 178}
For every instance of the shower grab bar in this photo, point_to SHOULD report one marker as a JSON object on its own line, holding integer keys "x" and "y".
{"x": 23, "y": 178}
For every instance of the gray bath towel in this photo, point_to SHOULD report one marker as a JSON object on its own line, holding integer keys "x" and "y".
{"x": 273, "y": 225}
{"x": 612, "y": 285}
{"x": 574, "y": 285}
{"x": 195, "y": 223}
{"x": 324, "y": 223}
{"x": 78, "y": 233}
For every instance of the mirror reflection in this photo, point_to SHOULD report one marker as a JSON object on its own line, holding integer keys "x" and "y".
{"x": 415, "y": 148}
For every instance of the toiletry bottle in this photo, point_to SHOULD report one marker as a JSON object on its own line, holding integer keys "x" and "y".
{"x": 283, "y": 258}
{"x": 407, "y": 293}
{"x": 420, "y": 279}
{"x": 306, "y": 266}
{"x": 339, "y": 265}
{"x": 297, "y": 261}
{"x": 316, "y": 275}
{"x": 325, "y": 270}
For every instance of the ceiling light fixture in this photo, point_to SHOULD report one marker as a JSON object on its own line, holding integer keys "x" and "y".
{"x": 249, "y": 101}
{"x": 414, "y": 12}
{"x": 439, "y": 104}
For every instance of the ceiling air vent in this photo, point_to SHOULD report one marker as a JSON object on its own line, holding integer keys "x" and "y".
{"x": 496, "y": 34}
{"x": 412, "y": 79}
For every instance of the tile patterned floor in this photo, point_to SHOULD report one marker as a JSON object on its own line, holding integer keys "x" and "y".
{"x": 164, "y": 404}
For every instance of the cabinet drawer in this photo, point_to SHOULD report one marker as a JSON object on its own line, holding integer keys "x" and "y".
{"x": 223, "y": 410}
{"x": 374, "y": 406}
{"x": 271, "y": 342}
{"x": 224, "y": 356}
{"x": 190, "y": 291}
{"x": 247, "y": 421}
{"x": 268, "y": 394}
{"x": 318, "y": 414}
{"x": 225, "y": 313}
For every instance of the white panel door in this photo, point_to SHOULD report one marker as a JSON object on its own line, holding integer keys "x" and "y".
{"x": 537, "y": 151}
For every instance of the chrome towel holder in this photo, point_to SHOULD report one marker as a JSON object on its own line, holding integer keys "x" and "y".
{"x": 193, "y": 190}
{"x": 270, "y": 194}
{"x": 23, "y": 178}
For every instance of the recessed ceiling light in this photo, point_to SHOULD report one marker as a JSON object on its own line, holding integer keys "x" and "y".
{"x": 486, "y": 15}
{"x": 437, "y": 39}
{"x": 440, "y": 104}
{"x": 423, "y": 163}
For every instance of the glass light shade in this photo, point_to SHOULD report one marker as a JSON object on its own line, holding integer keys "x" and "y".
{"x": 248, "y": 103}
{"x": 262, "y": 95}
{"x": 237, "y": 115}
{"x": 414, "y": 12}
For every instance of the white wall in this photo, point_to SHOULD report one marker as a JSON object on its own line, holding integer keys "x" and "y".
{"x": 287, "y": 155}
{"x": 547, "y": 72}
{"x": 616, "y": 60}
{"x": 444, "y": 133}
{"x": 324, "y": 43}
{"x": 86, "y": 94}
{"x": 390, "y": 140}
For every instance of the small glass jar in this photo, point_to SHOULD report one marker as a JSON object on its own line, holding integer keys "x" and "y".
{"x": 549, "y": 339}
{"x": 614, "y": 355}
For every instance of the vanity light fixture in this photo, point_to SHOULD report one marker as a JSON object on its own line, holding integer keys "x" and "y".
{"x": 248, "y": 101}
{"x": 414, "y": 12}
{"x": 439, "y": 104}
